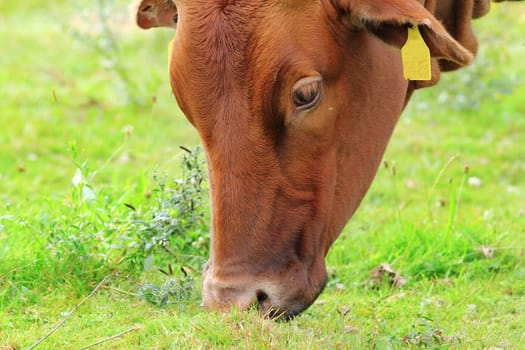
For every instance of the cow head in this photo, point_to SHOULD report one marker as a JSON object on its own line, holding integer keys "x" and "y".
{"x": 294, "y": 102}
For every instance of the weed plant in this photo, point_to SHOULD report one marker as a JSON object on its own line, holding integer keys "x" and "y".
{"x": 176, "y": 224}
{"x": 92, "y": 234}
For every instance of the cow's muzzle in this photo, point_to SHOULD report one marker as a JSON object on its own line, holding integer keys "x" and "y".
{"x": 279, "y": 298}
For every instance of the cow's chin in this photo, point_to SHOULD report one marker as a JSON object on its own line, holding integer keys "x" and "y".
{"x": 280, "y": 297}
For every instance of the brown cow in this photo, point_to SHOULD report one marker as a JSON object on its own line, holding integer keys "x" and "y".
{"x": 295, "y": 101}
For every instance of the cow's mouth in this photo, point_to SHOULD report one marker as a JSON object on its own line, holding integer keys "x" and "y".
{"x": 288, "y": 312}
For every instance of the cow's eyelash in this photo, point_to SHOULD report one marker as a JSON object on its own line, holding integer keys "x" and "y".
{"x": 306, "y": 93}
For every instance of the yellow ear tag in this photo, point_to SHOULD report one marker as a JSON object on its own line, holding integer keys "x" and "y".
{"x": 416, "y": 57}
{"x": 170, "y": 50}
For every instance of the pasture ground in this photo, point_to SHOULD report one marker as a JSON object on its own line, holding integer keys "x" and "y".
{"x": 447, "y": 209}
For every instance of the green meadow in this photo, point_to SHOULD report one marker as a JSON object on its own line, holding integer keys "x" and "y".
{"x": 95, "y": 253}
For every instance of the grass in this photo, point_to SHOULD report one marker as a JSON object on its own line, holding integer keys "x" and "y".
{"x": 455, "y": 235}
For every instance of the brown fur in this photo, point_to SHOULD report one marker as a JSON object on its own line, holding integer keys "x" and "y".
{"x": 284, "y": 181}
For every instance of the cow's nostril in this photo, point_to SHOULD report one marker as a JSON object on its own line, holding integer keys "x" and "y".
{"x": 261, "y": 297}
{"x": 267, "y": 309}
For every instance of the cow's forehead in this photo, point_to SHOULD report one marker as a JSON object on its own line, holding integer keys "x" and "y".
{"x": 241, "y": 19}
{"x": 218, "y": 37}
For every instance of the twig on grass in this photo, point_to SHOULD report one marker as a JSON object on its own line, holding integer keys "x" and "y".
{"x": 121, "y": 291}
{"x": 113, "y": 337}
{"x": 436, "y": 181}
{"x": 70, "y": 313}
{"x": 178, "y": 256}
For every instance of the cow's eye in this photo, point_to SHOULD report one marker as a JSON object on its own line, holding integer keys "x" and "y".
{"x": 307, "y": 93}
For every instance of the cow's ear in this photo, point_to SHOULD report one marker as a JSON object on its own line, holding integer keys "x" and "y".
{"x": 156, "y": 13}
{"x": 456, "y": 17}
{"x": 389, "y": 20}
